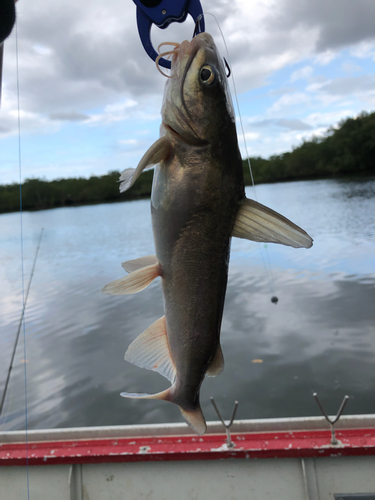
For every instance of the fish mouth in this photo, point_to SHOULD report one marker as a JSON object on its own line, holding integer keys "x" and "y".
{"x": 179, "y": 121}
{"x": 191, "y": 141}
{"x": 199, "y": 41}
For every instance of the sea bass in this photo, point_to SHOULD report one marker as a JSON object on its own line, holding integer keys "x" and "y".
{"x": 197, "y": 204}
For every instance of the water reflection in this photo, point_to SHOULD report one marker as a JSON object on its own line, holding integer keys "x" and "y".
{"x": 319, "y": 337}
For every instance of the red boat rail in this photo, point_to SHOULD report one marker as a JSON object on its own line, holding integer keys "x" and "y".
{"x": 210, "y": 447}
{"x": 313, "y": 442}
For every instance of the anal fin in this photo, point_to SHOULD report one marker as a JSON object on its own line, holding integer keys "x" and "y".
{"x": 257, "y": 222}
{"x": 150, "y": 350}
{"x": 135, "y": 264}
{"x": 134, "y": 282}
{"x": 217, "y": 363}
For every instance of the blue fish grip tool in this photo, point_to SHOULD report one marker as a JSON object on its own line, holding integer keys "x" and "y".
{"x": 162, "y": 13}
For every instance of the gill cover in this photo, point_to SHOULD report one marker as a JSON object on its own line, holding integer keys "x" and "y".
{"x": 196, "y": 95}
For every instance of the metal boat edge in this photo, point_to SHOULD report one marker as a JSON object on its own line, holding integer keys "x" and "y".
{"x": 173, "y": 429}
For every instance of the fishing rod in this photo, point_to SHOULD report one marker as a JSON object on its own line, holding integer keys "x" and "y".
{"x": 20, "y": 325}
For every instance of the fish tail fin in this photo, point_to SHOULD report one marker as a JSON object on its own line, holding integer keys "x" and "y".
{"x": 195, "y": 419}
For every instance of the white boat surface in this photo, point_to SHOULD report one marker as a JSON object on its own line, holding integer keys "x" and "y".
{"x": 281, "y": 459}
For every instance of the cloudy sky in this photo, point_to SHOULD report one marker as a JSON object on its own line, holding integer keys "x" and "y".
{"x": 90, "y": 97}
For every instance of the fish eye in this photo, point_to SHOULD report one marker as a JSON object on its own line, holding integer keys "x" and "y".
{"x": 207, "y": 75}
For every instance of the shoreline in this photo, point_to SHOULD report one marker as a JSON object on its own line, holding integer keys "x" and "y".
{"x": 145, "y": 194}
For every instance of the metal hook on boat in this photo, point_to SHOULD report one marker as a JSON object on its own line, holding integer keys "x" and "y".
{"x": 332, "y": 422}
{"x": 230, "y": 443}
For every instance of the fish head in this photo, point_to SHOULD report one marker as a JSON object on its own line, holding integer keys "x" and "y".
{"x": 196, "y": 98}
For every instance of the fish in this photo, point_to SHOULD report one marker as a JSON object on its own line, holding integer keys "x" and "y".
{"x": 198, "y": 204}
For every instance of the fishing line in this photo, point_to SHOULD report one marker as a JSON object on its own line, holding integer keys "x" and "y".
{"x": 268, "y": 267}
{"x": 23, "y": 310}
{"x": 22, "y": 265}
{"x": 237, "y": 103}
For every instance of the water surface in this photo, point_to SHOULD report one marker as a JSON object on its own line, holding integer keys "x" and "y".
{"x": 319, "y": 337}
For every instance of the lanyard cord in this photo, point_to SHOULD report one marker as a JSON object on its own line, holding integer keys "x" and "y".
{"x": 22, "y": 271}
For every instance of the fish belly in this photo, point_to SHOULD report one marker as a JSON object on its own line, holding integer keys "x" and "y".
{"x": 192, "y": 239}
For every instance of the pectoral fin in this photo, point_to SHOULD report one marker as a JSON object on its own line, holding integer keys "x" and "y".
{"x": 259, "y": 223}
{"x": 217, "y": 363}
{"x": 134, "y": 282}
{"x": 150, "y": 350}
{"x": 135, "y": 264}
{"x": 157, "y": 152}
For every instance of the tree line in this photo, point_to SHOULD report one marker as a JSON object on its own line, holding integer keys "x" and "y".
{"x": 38, "y": 194}
{"x": 348, "y": 149}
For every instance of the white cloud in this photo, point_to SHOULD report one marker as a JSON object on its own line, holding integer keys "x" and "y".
{"x": 351, "y": 68}
{"x": 82, "y": 63}
{"x": 84, "y": 55}
{"x": 131, "y": 142}
{"x": 325, "y": 57}
{"x": 340, "y": 23}
{"x": 251, "y": 136}
{"x": 315, "y": 87}
{"x": 304, "y": 72}
{"x": 42, "y": 49}
{"x": 293, "y": 124}
{"x": 289, "y": 102}
{"x": 364, "y": 50}
{"x": 119, "y": 107}
{"x": 321, "y": 119}
{"x": 70, "y": 116}
{"x": 350, "y": 85}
